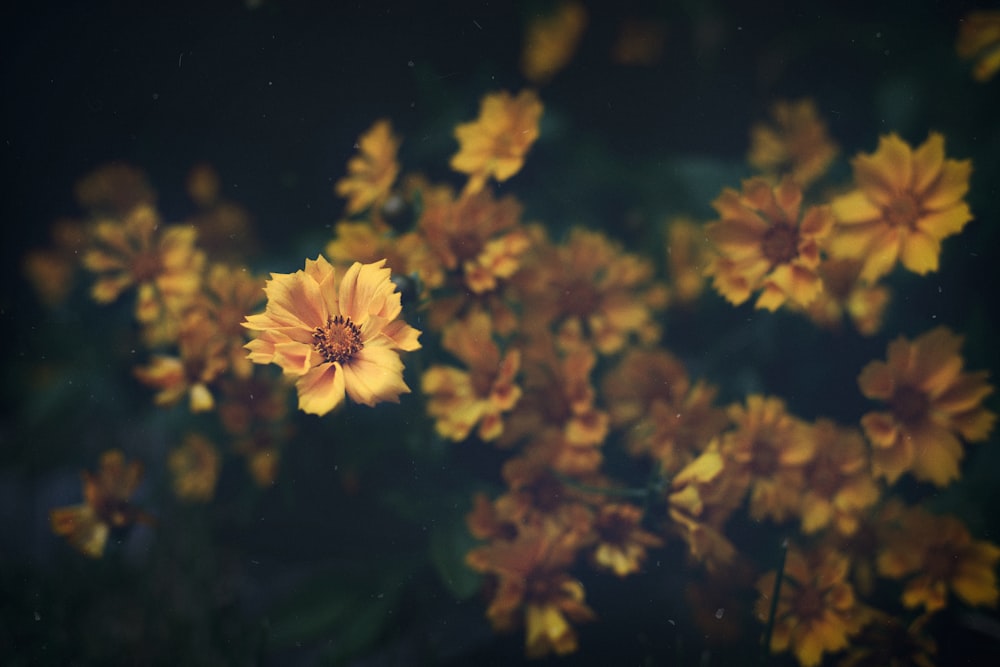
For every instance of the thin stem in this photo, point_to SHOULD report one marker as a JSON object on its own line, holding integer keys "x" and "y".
{"x": 769, "y": 630}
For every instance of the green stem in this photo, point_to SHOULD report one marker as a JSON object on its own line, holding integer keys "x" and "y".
{"x": 644, "y": 493}
{"x": 769, "y": 630}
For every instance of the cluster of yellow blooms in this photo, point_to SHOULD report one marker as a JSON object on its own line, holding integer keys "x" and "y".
{"x": 551, "y": 349}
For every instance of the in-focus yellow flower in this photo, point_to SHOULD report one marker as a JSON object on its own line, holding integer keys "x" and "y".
{"x": 551, "y": 40}
{"x": 937, "y": 555}
{"x": 817, "y": 611}
{"x": 931, "y": 404}
{"x": 905, "y": 203}
{"x": 107, "y": 505}
{"x": 195, "y": 468}
{"x": 979, "y": 40}
{"x": 766, "y": 243}
{"x": 162, "y": 262}
{"x": 495, "y": 144}
{"x": 372, "y": 173}
{"x": 334, "y": 338}
{"x": 796, "y": 144}
{"x": 459, "y": 400}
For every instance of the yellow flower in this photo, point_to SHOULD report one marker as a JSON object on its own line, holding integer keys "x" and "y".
{"x": 931, "y": 404}
{"x": 905, "y": 203}
{"x": 334, "y": 338}
{"x": 817, "y": 611}
{"x": 621, "y": 541}
{"x": 107, "y": 505}
{"x": 372, "y": 173}
{"x": 765, "y": 244}
{"x": 887, "y": 642}
{"x": 550, "y": 41}
{"x": 938, "y": 555}
{"x": 195, "y": 468}
{"x": 458, "y": 400}
{"x": 844, "y": 295}
{"x": 979, "y": 40}
{"x": 497, "y": 142}
{"x": 797, "y": 143}
{"x": 162, "y": 262}
{"x": 114, "y": 190}
{"x": 688, "y": 256}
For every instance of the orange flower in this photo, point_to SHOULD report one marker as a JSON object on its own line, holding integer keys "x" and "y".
{"x": 938, "y": 555}
{"x": 497, "y": 142}
{"x": 931, "y": 404}
{"x": 459, "y": 400}
{"x": 550, "y": 41}
{"x": 797, "y": 143}
{"x": 979, "y": 40}
{"x": 533, "y": 587}
{"x": 905, "y": 203}
{"x": 372, "y": 173}
{"x": 839, "y": 486}
{"x": 621, "y": 541}
{"x": 764, "y": 244}
{"x": 770, "y": 448}
{"x": 107, "y": 505}
{"x": 195, "y": 468}
{"x": 817, "y": 611}
{"x": 334, "y": 339}
{"x": 162, "y": 262}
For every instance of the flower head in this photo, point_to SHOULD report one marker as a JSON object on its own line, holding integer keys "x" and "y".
{"x": 195, "y": 468}
{"x": 371, "y": 173}
{"x": 906, "y": 201}
{"x": 550, "y": 41}
{"x": 796, "y": 144}
{"x": 931, "y": 404}
{"x": 334, "y": 338}
{"x": 766, "y": 244}
{"x": 496, "y": 143}
{"x": 979, "y": 40}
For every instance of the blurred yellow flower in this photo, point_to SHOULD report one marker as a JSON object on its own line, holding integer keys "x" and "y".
{"x": 906, "y": 201}
{"x": 107, "y": 505}
{"x": 766, "y": 243}
{"x": 931, "y": 403}
{"x": 817, "y": 611}
{"x": 372, "y": 173}
{"x": 845, "y": 296}
{"x": 796, "y": 144}
{"x": 334, "y": 338}
{"x": 622, "y": 543}
{"x": 979, "y": 40}
{"x": 495, "y": 144}
{"x": 551, "y": 40}
{"x": 195, "y": 468}
{"x": 688, "y": 256}
{"x": 937, "y": 555}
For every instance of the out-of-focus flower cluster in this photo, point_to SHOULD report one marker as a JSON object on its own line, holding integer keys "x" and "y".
{"x": 549, "y": 347}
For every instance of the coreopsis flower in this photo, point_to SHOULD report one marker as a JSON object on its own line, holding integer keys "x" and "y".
{"x": 767, "y": 243}
{"x": 839, "y": 484}
{"x": 51, "y": 270}
{"x": 887, "y": 641}
{"x": 770, "y": 449}
{"x": 336, "y": 339}
{"x": 372, "y": 173}
{"x": 979, "y": 40}
{"x": 590, "y": 292}
{"x": 797, "y": 143}
{"x": 533, "y": 588}
{"x": 551, "y": 40}
{"x": 496, "y": 143}
{"x": 107, "y": 506}
{"x": 932, "y": 405}
{"x": 688, "y": 256}
{"x": 194, "y": 466}
{"x": 817, "y": 612}
{"x": 936, "y": 556}
{"x": 162, "y": 262}
{"x": 201, "y": 357}
{"x": 114, "y": 190}
{"x": 845, "y": 296}
{"x": 459, "y": 400}
{"x": 622, "y": 543}
{"x": 227, "y": 294}
{"x": 906, "y": 202}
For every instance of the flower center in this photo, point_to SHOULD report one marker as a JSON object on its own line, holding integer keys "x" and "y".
{"x": 940, "y": 562}
{"x": 338, "y": 340}
{"x": 765, "y": 460}
{"x": 808, "y": 604}
{"x": 909, "y": 405}
{"x": 903, "y": 211}
{"x": 146, "y": 266}
{"x": 781, "y": 243}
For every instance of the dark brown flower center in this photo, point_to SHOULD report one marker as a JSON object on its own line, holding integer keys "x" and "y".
{"x": 765, "y": 458}
{"x": 940, "y": 562}
{"x": 808, "y": 604}
{"x": 903, "y": 211}
{"x": 781, "y": 243}
{"x": 146, "y": 266}
{"x": 909, "y": 404}
{"x": 338, "y": 340}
